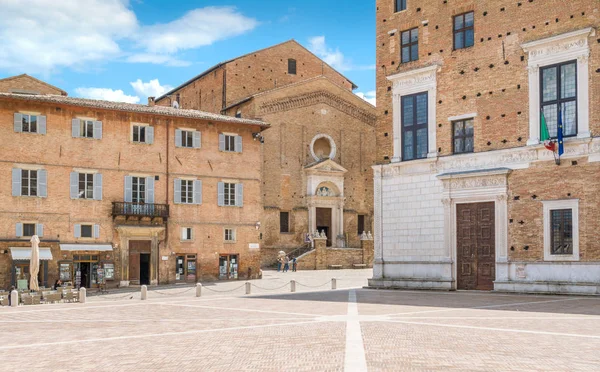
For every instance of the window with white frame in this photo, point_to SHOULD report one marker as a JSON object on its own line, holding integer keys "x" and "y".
{"x": 86, "y": 128}
{"x": 186, "y": 234}
{"x": 230, "y": 142}
{"x": 229, "y": 235}
{"x": 142, "y": 133}
{"x": 87, "y": 231}
{"x": 558, "y": 86}
{"x": 86, "y": 186}
{"x": 561, "y": 230}
{"x": 229, "y": 194}
{"x": 187, "y": 138}
{"x": 29, "y": 229}
{"x": 187, "y": 191}
{"x": 28, "y": 182}
{"x": 138, "y": 189}
{"x": 29, "y": 123}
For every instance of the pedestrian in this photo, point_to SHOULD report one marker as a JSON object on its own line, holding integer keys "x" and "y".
{"x": 57, "y": 284}
{"x": 10, "y": 295}
{"x": 294, "y": 264}
{"x": 279, "y": 261}
{"x": 286, "y": 264}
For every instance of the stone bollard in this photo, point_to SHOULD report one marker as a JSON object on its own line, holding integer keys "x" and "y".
{"x": 333, "y": 283}
{"x": 248, "y": 288}
{"x": 82, "y": 294}
{"x": 144, "y": 292}
{"x": 14, "y": 298}
{"x": 292, "y": 285}
{"x": 198, "y": 289}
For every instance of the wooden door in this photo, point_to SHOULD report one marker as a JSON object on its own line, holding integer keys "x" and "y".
{"x": 135, "y": 248}
{"x": 475, "y": 246}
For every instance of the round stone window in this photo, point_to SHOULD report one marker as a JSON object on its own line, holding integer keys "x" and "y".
{"x": 322, "y": 147}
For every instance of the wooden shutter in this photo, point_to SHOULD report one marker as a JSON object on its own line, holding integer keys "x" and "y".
{"x": 239, "y": 195}
{"x": 16, "y": 182}
{"x": 77, "y": 231}
{"x": 18, "y": 122}
{"x": 98, "y": 186}
{"x": 19, "y": 230}
{"x": 183, "y": 233}
{"x": 76, "y": 128}
{"x": 177, "y": 190}
{"x": 96, "y": 231}
{"x": 128, "y": 196}
{"x": 42, "y": 183}
{"x": 74, "y": 185}
{"x": 150, "y": 190}
{"x": 221, "y": 194}
{"x": 197, "y": 140}
{"x": 197, "y": 192}
{"x": 221, "y": 142}
{"x": 41, "y": 125}
{"x": 39, "y": 230}
{"x": 238, "y": 143}
{"x": 97, "y": 129}
{"x": 149, "y": 135}
{"x": 177, "y": 137}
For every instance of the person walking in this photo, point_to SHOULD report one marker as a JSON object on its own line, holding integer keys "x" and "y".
{"x": 294, "y": 265}
{"x": 286, "y": 264}
{"x": 279, "y": 263}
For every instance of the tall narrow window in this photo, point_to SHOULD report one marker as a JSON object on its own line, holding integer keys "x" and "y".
{"x": 139, "y": 133}
{"x": 292, "y": 66}
{"x": 138, "y": 189}
{"x": 187, "y": 191}
{"x": 361, "y": 224}
{"x": 559, "y": 95}
{"x": 29, "y": 123}
{"x": 230, "y": 143}
{"x": 463, "y": 136}
{"x": 399, "y": 5}
{"x": 464, "y": 32}
{"x": 284, "y": 222}
{"x": 414, "y": 126}
{"x": 86, "y": 128}
{"x": 229, "y": 235}
{"x": 86, "y": 186}
{"x": 28, "y": 182}
{"x": 410, "y": 45}
{"x": 230, "y": 194}
{"x": 562, "y": 231}
{"x": 187, "y": 138}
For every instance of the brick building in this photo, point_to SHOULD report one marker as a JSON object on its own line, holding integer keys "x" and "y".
{"x": 149, "y": 194}
{"x": 318, "y": 152}
{"x": 466, "y": 194}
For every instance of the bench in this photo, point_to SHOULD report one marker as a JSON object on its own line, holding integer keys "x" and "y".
{"x": 335, "y": 266}
{"x": 359, "y": 265}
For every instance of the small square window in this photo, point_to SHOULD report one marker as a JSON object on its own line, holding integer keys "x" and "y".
{"x": 30, "y": 123}
{"x": 187, "y": 138}
{"x": 86, "y": 128}
{"x": 28, "y": 229}
{"x": 238, "y": 114}
{"x": 87, "y": 231}
{"x": 139, "y": 133}
{"x": 229, "y": 235}
{"x": 462, "y": 136}
{"x": 186, "y": 233}
{"x": 399, "y": 5}
{"x": 464, "y": 31}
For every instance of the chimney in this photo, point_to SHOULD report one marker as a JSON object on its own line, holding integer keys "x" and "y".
{"x": 150, "y": 101}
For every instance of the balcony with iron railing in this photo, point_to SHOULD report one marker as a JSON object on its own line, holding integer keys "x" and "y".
{"x": 140, "y": 210}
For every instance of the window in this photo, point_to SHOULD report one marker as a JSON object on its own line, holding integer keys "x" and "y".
{"x": 29, "y": 123}
{"x": 230, "y": 143}
{"x": 361, "y": 224}
{"x": 138, "y": 189}
{"x": 559, "y": 96}
{"x": 186, "y": 233}
{"x": 238, "y": 114}
{"x": 86, "y": 231}
{"x": 28, "y": 229}
{"x": 187, "y": 191}
{"x": 229, "y": 235}
{"x": 410, "y": 45}
{"x": 229, "y": 194}
{"x": 464, "y": 33}
{"x": 139, "y": 133}
{"x": 414, "y": 126}
{"x": 561, "y": 230}
{"x": 462, "y": 136}
{"x": 292, "y": 66}
{"x": 86, "y": 186}
{"x": 399, "y": 5}
{"x": 29, "y": 182}
{"x": 187, "y": 138}
{"x": 284, "y": 222}
{"x": 86, "y": 128}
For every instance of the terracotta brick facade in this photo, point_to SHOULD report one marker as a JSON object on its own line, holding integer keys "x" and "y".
{"x": 29, "y": 85}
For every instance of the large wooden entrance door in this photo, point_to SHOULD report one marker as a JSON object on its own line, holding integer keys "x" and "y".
{"x": 475, "y": 246}
{"x": 324, "y": 223}
{"x": 136, "y": 249}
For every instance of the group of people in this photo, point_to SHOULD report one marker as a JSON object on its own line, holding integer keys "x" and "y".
{"x": 283, "y": 264}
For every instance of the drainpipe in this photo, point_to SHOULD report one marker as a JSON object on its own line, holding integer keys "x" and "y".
{"x": 167, "y": 196}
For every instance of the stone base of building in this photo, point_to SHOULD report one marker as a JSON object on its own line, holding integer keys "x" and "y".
{"x": 411, "y": 283}
{"x": 548, "y": 287}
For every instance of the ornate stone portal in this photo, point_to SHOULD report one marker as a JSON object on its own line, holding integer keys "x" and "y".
{"x": 127, "y": 233}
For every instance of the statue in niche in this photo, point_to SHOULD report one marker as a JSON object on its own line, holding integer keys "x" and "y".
{"x": 324, "y": 191}
{"x": 323, "y": 236}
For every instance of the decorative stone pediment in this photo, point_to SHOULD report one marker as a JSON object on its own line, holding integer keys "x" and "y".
{"x": 558, "y": 48}
{"x": 326, "y": 166}
{"x": 414, "y": 80}
{"x": 475, "y": 183}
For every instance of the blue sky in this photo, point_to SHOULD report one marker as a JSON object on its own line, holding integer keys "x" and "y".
{"x": 130, "y": 49}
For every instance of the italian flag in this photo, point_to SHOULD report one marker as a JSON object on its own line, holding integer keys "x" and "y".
{"x": 545, "y": 135}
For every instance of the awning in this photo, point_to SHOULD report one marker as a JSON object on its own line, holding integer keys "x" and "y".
{"x": 24, "y": 254}
{"x": 86, "y": 247}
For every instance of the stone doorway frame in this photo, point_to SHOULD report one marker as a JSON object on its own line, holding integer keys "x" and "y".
{"x": 153, "y": 234}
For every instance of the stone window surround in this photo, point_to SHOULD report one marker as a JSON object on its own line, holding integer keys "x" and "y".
{"x": 186, "y": 228}
{"x": 333, "y": 151}
{"x": 550, "y": 205}
{"x": 421, "y": 80}
{"x": 552, "y": 50}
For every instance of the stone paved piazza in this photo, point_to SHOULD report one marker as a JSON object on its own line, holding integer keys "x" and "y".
{"x": 314, "y": 329}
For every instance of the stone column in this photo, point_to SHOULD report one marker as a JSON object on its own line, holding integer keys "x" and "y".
{"x": 124, "y": 260}
{"x": 378, "y": 225}
{"x": 320, "y": 253}
{"x": 154, "y": 260}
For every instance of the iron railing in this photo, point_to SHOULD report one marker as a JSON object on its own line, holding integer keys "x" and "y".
{"x": 140, "y": 209}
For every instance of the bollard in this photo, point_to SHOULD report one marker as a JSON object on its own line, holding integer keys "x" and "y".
{"x": 198, "y": 289}
{"x": 248, "y": 288}
{"x": 82, "y": 294}
{"x": 14, "y": 298}
{"x": 144, "y": 292}
{"x": 333, "y": 283}
{"x": 292, "y": 285}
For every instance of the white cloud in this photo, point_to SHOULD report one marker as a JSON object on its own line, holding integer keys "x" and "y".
{"x": 41, "y": 36}
{"x": 369, "y": 97}
{"x": 150, "y": 89}
{"x": 196, "y": 28}
{"x": 106, "y": 94}
{"x": 333, "y": 57}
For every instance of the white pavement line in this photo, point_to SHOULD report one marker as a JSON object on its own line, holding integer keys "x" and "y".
{"x": 116, "y": 338}
{"x": 241, "y": 309}
{"x": 495, "y": 329}
{"x": 480, "y": 307}
{"x": 186, "y": 320}
{"x": 582, "y": 317}
{"x": 355, "y": 359}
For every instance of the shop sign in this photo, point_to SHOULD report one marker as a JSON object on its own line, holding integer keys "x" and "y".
{"x": 254, "y": 245}
{"x": 165, "y": 258}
